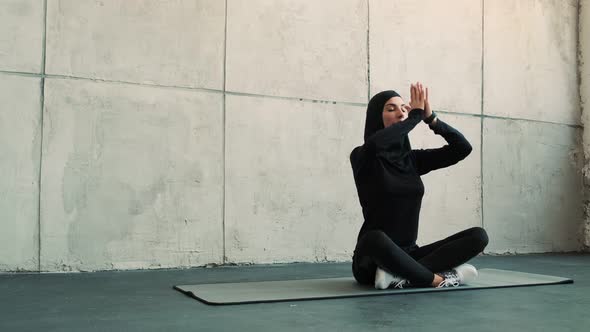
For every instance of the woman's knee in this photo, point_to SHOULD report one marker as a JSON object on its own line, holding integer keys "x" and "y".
{"x": 480, "y": 237}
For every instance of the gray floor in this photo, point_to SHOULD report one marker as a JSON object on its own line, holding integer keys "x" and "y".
{"x": 145, "y": 301}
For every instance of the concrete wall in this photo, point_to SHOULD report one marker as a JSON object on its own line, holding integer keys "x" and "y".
{"x": 148, "y": 134}
{"x": 584, "y": 61}
{"x": 531, "y": 179}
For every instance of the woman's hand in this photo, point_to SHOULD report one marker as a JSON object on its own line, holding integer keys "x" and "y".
{"x": 417, "y": 96}
{"x": 427, "y": 109}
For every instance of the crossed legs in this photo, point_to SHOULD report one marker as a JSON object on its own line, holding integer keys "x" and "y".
{"x": 375, "y": 249}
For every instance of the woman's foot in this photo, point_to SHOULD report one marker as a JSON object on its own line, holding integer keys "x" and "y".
{"x": 459, "y": 275}
{"x": 384, "y": 280}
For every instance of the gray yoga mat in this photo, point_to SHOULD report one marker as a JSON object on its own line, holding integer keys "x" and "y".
{"x": 315, "y": 289}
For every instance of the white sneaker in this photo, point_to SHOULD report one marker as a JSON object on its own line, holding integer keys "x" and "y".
{"x": 459, "y": 275}
{"x": 466, "y": 272}
{"x": 384, "y": 280}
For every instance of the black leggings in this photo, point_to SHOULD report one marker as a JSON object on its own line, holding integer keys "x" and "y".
{"x": 418, "y": 264}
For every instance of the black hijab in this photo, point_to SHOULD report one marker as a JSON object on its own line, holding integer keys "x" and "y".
{"x": 397, "y": 149}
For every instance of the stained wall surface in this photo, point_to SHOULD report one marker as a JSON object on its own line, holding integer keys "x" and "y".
{"x": 20, "y": 134}
{"x": 584, "y": 73}
{"x": 151, "y": 134}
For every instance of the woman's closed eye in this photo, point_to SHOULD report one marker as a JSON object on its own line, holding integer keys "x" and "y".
{"x": 393, "y": 110}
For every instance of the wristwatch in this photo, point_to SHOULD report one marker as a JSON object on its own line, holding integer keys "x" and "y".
{"x": 429, "y": 119}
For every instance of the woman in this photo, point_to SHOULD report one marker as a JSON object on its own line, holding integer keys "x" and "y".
{"x": 387, "y": 176}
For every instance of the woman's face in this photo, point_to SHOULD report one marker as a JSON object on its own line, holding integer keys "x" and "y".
{"x": 394, "y": 111}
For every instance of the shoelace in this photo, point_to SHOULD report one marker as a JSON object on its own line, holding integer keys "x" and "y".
{"x": 401, "y": 283}
{"x": 448, "y": 282}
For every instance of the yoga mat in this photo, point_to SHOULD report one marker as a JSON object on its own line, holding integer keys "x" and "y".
{"x": 315, "y": 289}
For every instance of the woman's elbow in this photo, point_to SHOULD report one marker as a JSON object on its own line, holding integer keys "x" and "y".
{"x": 466, "y": 150}
{"x": 461, "y": 151}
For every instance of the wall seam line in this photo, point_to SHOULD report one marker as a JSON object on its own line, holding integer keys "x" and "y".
{"x": 307, "y": 100}
{"x": 482, "y": 112}
{"x": 368, "y": 51}
{"x": 23, "y": 73}
{"x": 315, "y": 101}
{"x": 224, "y": 132}
{"x": 41, "y": 125}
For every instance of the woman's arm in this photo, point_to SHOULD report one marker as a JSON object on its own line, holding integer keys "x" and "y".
{"x": 430, "y": 159}
{"x": 384, "y": 137}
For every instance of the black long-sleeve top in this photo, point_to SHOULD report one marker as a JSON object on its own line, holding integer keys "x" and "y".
{"x": 391, "y": 197}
